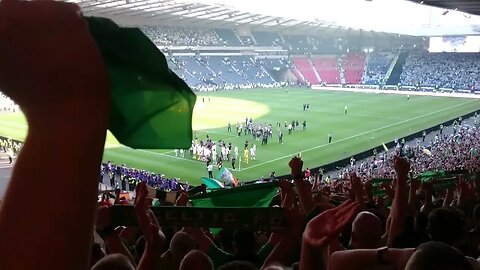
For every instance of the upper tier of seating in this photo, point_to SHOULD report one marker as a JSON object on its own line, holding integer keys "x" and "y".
{"x": 267, "y": 38}
{"x": 177, "y": 36}
{"x": 297, "y": 44}
{"x": 228, "y": 37}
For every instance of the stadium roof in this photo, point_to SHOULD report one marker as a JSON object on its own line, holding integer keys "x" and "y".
{"x": 467, "y": 6}
{"x": 326, "y": 17}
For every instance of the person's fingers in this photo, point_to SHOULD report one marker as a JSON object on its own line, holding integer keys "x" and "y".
{"x": 347, "y": 208}
{"x": 344, "y": 204}
{"x": 348, "y": 216}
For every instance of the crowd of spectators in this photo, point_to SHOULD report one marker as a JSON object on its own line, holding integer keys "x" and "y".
{"x": 377, "y": 67}
{"x": 215, "y": 73}
{"x": 455, "y": 149}
{"x": 6, "y": 104}
{"x": 423, "y": 220}
{"x": 121, "y": 176}
{"x": 178, "y": 36}
{"x": 232, "y": 86}
{"x": 442, "y": 70}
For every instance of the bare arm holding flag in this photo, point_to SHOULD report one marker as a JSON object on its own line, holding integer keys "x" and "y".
{"x": 51, "y": 67}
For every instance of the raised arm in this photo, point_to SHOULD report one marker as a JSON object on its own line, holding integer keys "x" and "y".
{"x": 399, "y": 205}
{"x": 412, "y": 195}
{"x": 357, "y": 189}
{"x": 320, "y": 230}
{"x": 52, "y": 68}
{"x": 285, "y": 242}
{"x": 155, "y": 242}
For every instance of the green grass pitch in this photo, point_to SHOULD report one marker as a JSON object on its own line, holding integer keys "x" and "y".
{"x": 372, "y": 119}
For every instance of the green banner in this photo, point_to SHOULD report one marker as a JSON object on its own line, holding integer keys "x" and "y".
{"x": 429, "y": 175}
{"x": 253, "y": 195}
{"x": 260, "y": 218}
{"x": 379, "y": 181}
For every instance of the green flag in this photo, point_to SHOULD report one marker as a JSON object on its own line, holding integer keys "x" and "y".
{"x": 254, "y": 195}
{"x": 212, "y": 183}
{"x": 150, "y": 106}
{"x": 380, "y": 181}
{"x": 429, "y": 175}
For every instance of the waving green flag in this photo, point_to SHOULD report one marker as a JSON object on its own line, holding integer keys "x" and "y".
{"x": 151, "y": 107}
{"x": 253, "y": 195}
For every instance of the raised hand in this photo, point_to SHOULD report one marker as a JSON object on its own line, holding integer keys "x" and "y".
{"x": 286, "y": 192}
{"x": 304, "y": 191}
{"x": 103, "y": 217}
{"x": 355, "y": 183}
{"x": 401, "y": 165}
{"x": 321, "y": 230}
{"x": 357, "y": 188}
{"x": 296, "y": 165}
{"x": 146, "y": 219}
{"x": 329, "y": 223}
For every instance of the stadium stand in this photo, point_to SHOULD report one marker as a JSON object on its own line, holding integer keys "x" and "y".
{"x": 354, "y": 67}
{"x": 377, "y": 67}
{"x": 247, "y": 40}
{"x": 304, "y": 65}
{"x": 228, "y": 37}
{"x": 324, "y": 46}
{"x": 394, "y": 78}
{"x": 6, "y": 104}
{"x": 178, "y": 66}
{"x": 267, "y": 38}
{"x": 327, "y": 68}
{"x": 297, "y": 44}
{"x": 170, "y": 36}
{"x": 442, "y": 70}
{"x": 227, "y": 65}
{"x": 327, "y": 63}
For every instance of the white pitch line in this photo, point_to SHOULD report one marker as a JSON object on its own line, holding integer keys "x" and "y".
{"x": 360, "y": 134}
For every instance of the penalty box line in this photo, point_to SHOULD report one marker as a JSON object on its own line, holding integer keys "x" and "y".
{"x": 360, "y": 134}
